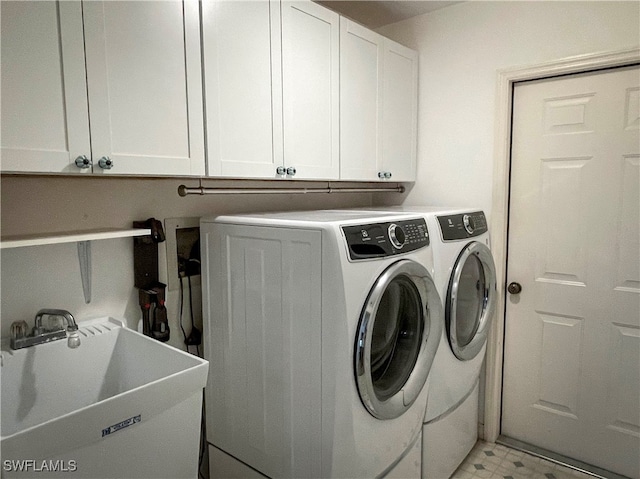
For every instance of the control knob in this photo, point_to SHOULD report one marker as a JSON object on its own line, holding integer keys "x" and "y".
{"x": 396, "y": 236}
{"x": 469, "y": 224}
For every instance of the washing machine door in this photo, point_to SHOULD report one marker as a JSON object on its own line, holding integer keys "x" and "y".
{"x": 398, "y": 334}
{"x": 470, "y": 300}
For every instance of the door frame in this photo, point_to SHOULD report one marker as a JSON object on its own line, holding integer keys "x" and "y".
{"x": 506, "y": 80}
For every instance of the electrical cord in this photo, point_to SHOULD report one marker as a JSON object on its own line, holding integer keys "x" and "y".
{"x": 193, "y": 324}
{"x": 203, "y": 438}
{"x": 203, "y": 423}
{"x": 184, "y": 333}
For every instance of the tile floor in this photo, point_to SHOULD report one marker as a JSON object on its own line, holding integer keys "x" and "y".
{"x": 494, "y": 461}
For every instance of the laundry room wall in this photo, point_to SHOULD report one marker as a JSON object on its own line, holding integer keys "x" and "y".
{"x": 461, "y": 49}
{"x": 49, "y": 276}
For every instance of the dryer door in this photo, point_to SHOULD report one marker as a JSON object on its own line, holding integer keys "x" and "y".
{"x": 398, "y": 334}
{"x": 470, "y": 300}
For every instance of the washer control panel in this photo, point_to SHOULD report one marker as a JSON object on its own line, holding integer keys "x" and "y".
{"x": 377, "y": 240}
{"x": 462, "y": 226}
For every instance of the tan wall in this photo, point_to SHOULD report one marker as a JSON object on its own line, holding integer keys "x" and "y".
{"x": 49, "y": 276}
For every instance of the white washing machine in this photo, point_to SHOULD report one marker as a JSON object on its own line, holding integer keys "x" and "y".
{"x": 321, "y": 329}
{"x": 466, "y": 278}
{"x": 466, "y": 281}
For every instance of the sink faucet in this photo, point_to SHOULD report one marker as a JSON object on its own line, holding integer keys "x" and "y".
{"x": 40, "y": 334}
{"x": 73, "y": 338}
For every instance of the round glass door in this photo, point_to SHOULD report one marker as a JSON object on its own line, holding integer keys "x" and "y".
{"x": 398, "y": 334}
{"x": 470, "y": 300}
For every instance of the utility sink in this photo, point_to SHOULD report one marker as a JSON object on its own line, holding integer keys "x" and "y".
{"x": 121, "y": 405}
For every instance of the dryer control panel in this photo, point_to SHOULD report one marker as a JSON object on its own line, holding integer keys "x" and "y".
{"x": 378, "y": 240}
{"x": 462, "y": 226}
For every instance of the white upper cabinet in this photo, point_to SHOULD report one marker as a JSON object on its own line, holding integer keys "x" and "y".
{"x": 144, "y": 82}
{"x": 310, "y": 78}
{"x": 241, "y": 45}
{"x": 378, "y": 106}
{"x": 45, "y": 121}
{"x": 142, "y": 97}
{"x": 361, "y": 56}
{"x": 291, "y": 90}
{"x": 271, "y": 88}
{"x": 399, "y": 111}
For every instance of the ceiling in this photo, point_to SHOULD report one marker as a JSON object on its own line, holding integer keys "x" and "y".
{"x": 377, "y": 13}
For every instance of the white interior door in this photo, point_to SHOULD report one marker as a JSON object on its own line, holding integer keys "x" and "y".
{"x": 572, "y": 335}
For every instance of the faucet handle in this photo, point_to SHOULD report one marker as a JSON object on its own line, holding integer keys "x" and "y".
{"x": 19, "y": 329}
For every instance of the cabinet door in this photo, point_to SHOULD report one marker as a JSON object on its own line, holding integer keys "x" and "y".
{"x": 45, "y": 124}
{"x": 400, "y": 111}
{"x": 243, "y": 89}
{"x": 310, "y": 75}
{"x": 145, "y": 86}
{"x": 361, "y": 56}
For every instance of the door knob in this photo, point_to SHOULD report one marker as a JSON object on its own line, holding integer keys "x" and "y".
{"x": 514, "y": 288}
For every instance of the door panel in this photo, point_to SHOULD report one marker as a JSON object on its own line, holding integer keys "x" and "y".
{"x": 561, "y": 344}
{"x": 628, "y": 272}
{"x": 572, "y": 336}
{"x": 562, "y": 192}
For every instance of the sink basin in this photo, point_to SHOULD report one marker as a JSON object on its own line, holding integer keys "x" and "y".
{"x": 120, "y": 405}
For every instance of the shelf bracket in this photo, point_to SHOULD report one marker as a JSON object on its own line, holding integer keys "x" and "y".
{"x": 84, "y": 257}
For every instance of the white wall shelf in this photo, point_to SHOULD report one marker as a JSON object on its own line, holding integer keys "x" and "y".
{"x": 70, "y": 237}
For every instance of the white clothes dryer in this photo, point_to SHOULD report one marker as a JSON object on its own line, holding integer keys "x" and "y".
{"x": 466, "y": 280}
{"x": 321, "y": 329}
